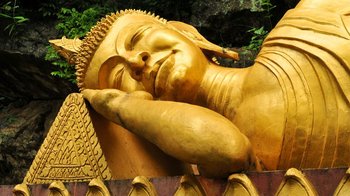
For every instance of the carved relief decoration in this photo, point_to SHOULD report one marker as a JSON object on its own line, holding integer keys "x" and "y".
{"x": 189, "y": 185}
{"x": 344, "y": 185}
{"x": 240, "y": 184}
{"x": 71, "y": 151}
{"x": 141, "y": 186}
{"x": 58, "y": 189}
{"x": 295, "y": 183}
{"x": 97, "y": 188}
{"x": 21, "y": 190}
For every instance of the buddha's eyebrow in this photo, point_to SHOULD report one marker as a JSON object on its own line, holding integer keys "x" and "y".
{"x": 138, "y": 35}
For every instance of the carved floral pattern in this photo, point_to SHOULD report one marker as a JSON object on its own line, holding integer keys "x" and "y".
{"x": 71, "y": 151}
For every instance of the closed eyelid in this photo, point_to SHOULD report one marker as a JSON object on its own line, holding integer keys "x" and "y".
{"x": 138, "y": 35}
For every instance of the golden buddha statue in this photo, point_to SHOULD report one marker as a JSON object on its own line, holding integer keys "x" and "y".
{"x": 158, "y": 80}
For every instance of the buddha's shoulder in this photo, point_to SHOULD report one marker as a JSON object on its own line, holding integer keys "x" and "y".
{"x": 261, "y": 80}
{"x": 262, "y": 94}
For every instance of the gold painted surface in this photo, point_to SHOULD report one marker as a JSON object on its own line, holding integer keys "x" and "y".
{"x": 240, "y": 184}
{"x": 189, "y": 185}
{"x": 97, "y": 188}
{"x": 141, "y": 186}
{"x": 295, "y": 183}
{"x": 344, "y": 186}
{"x": 21, "y": 190}
{"x": 313, "y": 69}
{"x": 290, "y": 109}
{"x": 57, "y": 188}
{"x": 71, "y": 150}
{"x": 129, "y": 155}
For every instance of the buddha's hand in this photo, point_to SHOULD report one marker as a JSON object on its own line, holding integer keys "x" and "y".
{"x": 108, "y": 101}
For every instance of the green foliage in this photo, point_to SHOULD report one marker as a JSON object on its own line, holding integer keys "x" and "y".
{"x": 262, "y": 6}
{"x": 50, "y": 8}
{"x": 10, "y": 119}
{"x": 267, "y": 6}
{"x": 259, "y": 33}
{"x": 257, "y": 39}
{"x": 77, "y": 24}
{"x": 6, "y": 121}
{"x": 9, "y": 12}
{"x": 72, "y": 23}
{"x": 65, "y": 70}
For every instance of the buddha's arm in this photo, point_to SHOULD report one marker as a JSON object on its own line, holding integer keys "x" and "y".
{"x": 190, "y": 133}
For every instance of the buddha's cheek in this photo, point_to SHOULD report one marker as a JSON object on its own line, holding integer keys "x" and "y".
{"x": 182, "y": 84}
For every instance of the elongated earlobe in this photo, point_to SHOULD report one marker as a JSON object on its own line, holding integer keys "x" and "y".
{"x": 191, "y": 33}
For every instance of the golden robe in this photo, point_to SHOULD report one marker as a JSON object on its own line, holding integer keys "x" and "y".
{"x": 309, "y": 53}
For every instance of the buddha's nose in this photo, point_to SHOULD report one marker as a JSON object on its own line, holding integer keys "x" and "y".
{"x": 137, "y": 62}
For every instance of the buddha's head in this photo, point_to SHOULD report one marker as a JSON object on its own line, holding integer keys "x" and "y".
{"x": 134, "y": 50}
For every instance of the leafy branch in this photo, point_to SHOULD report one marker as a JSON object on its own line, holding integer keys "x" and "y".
{"x": 72, "y": 23}
{"x": 8, "y": 11}
{"x": 259, "y": 33}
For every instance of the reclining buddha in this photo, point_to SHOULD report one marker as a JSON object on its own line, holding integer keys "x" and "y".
{"x": 159, "y": 80}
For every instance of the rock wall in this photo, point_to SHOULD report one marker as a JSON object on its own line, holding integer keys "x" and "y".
{"x": 227, "y": 21}
{"x": 24, "y": 72}
{"x": 29, "y": 98}
{"x": 22, "y": 130}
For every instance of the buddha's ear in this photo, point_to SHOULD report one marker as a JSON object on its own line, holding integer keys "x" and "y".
{"x": 192, "y": 33}
{"x": 67, "y": 48}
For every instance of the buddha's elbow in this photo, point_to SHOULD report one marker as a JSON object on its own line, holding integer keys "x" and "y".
{"x": 235, "y": 158}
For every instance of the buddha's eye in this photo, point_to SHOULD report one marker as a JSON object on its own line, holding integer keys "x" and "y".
{"x": 138, "y": 35}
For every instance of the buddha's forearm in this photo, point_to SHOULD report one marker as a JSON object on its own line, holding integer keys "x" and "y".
{"x": 181, "y": 130}
{"x": 190, "y": 133}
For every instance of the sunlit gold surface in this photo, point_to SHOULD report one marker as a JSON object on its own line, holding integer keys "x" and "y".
{"x": 189, "y": 185}
{"x": 290, "y": 109}
{"x": 129, "y": 156}
{"x": 141, "y": 186}
{"x": 57, "y": 188}
{"x": 97, "y": 188}
{"x": 343, "y": 187}
{"x": 21, "y": 190}
{"x": 295, "y": 183}
{"x": 240, "y": 184}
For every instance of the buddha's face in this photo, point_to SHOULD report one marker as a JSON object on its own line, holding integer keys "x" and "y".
{"x": 161, "y": 60}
